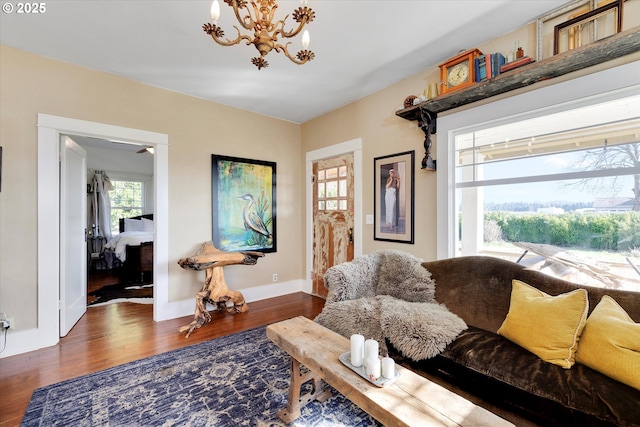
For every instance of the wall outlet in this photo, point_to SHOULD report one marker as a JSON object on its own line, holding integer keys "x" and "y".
{"x": 5, "y": 323}
{"x": 275, "y": 277}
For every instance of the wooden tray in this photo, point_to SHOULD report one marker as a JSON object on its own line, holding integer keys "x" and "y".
{"x": 345, "y": 358}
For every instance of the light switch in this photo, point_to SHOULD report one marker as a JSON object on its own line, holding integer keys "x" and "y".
{"x": 368, "y": 219}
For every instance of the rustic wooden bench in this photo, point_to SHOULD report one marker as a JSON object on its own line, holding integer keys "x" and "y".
{"x": 411, "y": 400}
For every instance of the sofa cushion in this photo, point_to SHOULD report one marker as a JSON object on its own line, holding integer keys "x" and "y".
{"x": 610, "y": 343}
{"x": 548, "y": 326}
{"x": 580, "y": 389}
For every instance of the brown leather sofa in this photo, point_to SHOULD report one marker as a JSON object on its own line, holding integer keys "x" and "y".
{"x": 505, "y": 378}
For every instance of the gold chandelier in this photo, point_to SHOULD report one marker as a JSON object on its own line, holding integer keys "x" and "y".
{"x": 265, "y": 31}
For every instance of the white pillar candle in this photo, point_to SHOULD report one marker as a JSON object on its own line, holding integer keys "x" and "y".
{"x": 372, "y": 367}
{"x": 388, "y": 367}
{"x": 357, "y": 350}
{"x": 370, "y": 349}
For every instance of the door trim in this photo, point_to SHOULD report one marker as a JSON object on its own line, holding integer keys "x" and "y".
{"x": 49, "y": 130}
{"x": 352, "y": 146}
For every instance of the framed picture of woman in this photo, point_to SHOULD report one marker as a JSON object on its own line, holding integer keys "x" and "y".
{"x": 393, "y": 197}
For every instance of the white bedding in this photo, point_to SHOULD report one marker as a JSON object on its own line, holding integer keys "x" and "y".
{"x": 118, "y": 244}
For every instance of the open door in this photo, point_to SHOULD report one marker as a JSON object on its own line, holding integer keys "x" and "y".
{"x": 73, "y": 247}
{"x": 333, "y": 217}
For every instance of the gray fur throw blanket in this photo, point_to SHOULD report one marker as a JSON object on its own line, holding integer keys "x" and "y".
{"x": 389, "y": 295}
{"x": 420, "y": 330}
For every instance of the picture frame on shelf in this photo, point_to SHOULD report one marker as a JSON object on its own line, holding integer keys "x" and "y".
{"x": 588, "y": 27}
{"x": 394, "y": 197}
{"x": 576, "y": 10}
{"x": 243, "y": 204}
{"x": 546, "y": 23}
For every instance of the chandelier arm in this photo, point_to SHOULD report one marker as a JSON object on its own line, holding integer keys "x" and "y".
{"x": 247, "y": 21}
{"x": 283, "y": 48}
{"x": 292, "y": 33}
{"x": 228, "y": 42}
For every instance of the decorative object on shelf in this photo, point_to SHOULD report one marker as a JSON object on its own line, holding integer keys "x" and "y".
{"x": 433, "y": 90}
{"x": 265, "y": 31}
{"x": 588, "y": 27}
{"x": 624, "y": 43}
{"x": 545, "y": 25}
{"x": 459, "y": 71}
{"x": 215, "y": 290}
{"x": 516, "y": 64}
{"x": 393, "y": 197}
{"x": 244, "y": 204}
{"x": 488, "y": 66}
{"x": 408, "y": 101}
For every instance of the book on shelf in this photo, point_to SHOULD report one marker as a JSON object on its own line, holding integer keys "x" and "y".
{"x": 488, "y": 66}
{"x": 497, "y": 61}
{"x": 481, "y": 70}
{"x": 517, "y": 63}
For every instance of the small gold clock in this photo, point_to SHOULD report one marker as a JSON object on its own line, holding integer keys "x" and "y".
{"x": 459, "y": 71}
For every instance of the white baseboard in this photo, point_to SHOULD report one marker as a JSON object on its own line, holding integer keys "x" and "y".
{"x": 19, "y": 342}
{"x": 184, "y": 308}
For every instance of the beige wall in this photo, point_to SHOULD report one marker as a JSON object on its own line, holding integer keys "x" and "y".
{"x": 30, "y": 84}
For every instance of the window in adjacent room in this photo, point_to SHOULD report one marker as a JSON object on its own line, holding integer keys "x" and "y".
{"x": 559, "y": 193}
{"x": 127, "y": 200}
{"x": 332, "y": 189}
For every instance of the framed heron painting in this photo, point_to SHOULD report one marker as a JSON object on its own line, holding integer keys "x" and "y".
{"x": 244, "y": 204}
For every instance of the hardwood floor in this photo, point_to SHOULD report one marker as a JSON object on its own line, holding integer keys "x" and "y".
{"x": 114, "y": 334}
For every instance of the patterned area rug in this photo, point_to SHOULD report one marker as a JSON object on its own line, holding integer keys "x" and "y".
{"x": 237, "y": 380}
{"x": 121, "y": 292}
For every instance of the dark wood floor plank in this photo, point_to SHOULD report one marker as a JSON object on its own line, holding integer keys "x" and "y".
{"x": 114, "y": 334}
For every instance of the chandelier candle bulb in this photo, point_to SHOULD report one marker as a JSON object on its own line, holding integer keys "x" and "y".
{"x": 215, "y": 11}
{"x": 370, "y": 349}
{"x": 388, "y": 367}
{"x": 305, "y": 39}
{"x": 357, "y": 350}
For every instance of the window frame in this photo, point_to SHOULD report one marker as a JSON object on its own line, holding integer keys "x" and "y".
{"x": 145, "y": 180}
{"x": 610, "y": 84}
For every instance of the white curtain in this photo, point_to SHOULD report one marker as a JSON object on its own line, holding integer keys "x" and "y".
{"x": 100, "y": 205}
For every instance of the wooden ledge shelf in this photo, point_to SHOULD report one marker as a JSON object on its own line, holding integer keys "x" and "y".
{"x": 621, "y": 44}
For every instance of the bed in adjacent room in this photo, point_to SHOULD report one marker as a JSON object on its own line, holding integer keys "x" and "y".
{"x": 133, "y": 247}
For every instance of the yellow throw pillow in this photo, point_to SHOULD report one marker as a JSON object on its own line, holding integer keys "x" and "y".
{"x": 610, "y": 343}
{"x": 548, "y": 326}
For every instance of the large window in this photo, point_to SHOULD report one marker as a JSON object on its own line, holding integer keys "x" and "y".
{"x": 127, "y": 200}
{"x": 560, "y": 193}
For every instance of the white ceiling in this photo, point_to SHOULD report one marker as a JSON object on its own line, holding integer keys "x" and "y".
{"x": 360, "y": 46}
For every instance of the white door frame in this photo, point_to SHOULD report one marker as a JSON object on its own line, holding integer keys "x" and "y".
{"x": 49, "y": 130}
{"x": 352, "y": 146}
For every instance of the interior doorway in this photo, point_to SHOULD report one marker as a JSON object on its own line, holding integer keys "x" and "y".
{"x": 49, "y": 130}
{"x": 352, "y": 148}
{"x": 332, "y": 202}
{"x": 120, "y": 185}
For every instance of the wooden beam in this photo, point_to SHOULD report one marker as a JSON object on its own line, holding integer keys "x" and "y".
{"x": 616, "y": 46}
